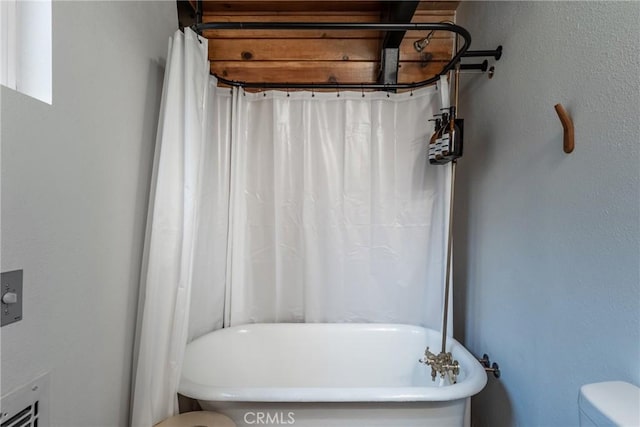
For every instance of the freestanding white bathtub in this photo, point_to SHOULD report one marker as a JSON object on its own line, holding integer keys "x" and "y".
{"x": 326, "y": 375}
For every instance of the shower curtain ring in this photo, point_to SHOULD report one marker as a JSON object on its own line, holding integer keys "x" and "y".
{"x": 288, "y": 90}
{"x": 362, "y": 89}
{"x": 411, "y": 94}
{"x": 338, "y": 89}
{"x": 313, "y": 94}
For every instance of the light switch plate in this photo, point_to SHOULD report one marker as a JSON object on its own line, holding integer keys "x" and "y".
{"x": 11, "y": 281}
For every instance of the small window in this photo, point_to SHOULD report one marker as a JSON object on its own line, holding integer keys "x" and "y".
{"x": 25, "y": 47}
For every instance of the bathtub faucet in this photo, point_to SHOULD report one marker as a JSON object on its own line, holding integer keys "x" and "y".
{"x": 441, "y": 364}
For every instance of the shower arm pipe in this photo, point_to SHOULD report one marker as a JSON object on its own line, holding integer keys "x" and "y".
{"x": 381, "y": 26}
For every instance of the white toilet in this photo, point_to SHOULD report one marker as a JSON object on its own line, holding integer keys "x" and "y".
{"x": 612, "y": 403}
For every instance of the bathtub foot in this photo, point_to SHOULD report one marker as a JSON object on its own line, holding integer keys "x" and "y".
{"x": 441, "y": 364}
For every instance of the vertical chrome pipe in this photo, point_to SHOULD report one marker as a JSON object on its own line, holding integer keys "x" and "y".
{"x": 447, "y": 284}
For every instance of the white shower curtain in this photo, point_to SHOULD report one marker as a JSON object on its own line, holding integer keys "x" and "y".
{"x": 185, "y": 248}
{"x": 337, "y": 215}
{"x": 278, "y": 207}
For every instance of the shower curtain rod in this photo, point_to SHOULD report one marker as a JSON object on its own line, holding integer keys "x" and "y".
{"x": 383, "y": 26}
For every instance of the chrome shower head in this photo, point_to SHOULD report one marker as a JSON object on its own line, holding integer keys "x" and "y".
{"x": 419, "y": 45}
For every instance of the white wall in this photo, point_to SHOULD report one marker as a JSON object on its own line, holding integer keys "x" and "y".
{"x": 547, "y": 244}
{"x": 75, "y": 179}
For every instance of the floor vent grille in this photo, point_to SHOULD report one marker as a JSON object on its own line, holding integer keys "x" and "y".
{"x": 27, "y": 406}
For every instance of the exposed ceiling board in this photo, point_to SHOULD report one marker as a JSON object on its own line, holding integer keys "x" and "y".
{"x": 303, "y": 56}
{"x": 319, "y": 71}
{"x": 438, "y": 5}
{"x": 254, "y": 6}
{"x": 318, "y": 50}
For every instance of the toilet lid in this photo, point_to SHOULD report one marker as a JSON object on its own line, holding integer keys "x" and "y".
{"x": 612, "y": 402}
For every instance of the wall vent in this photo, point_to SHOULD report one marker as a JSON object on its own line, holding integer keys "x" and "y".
{"x": 27, "y": 406}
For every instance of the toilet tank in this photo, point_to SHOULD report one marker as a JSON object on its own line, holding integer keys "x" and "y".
{"x": 612, "y": 403}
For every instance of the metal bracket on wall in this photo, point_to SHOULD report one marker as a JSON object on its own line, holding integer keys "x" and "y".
{"x": 488, "y": 366}
{"x": 400, "y": 11}
{"x": 484, "y": 65}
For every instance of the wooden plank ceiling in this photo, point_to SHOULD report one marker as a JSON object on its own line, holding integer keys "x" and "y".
{"x": 319, "y": 56}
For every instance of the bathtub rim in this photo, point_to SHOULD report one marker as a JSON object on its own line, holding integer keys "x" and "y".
{"x": 474, "y": 381}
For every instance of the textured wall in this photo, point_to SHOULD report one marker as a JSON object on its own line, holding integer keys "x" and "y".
{"x": 75, "y": 178}
{"x": 547, "y": 244}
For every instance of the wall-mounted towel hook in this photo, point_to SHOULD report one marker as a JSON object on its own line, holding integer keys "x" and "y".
{"x": 567, "y": 124}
